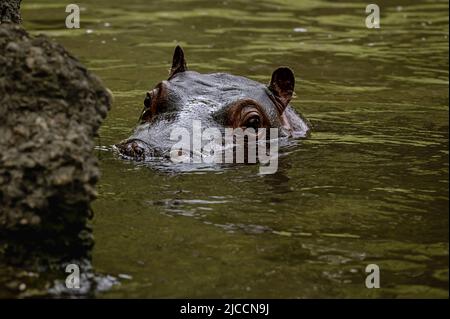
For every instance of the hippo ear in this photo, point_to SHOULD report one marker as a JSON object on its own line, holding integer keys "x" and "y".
{"x": 178, "y": 62}
{"x": 282, "y": 85}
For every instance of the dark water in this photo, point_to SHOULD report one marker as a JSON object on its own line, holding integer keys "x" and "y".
{"x": 369, "y": 186}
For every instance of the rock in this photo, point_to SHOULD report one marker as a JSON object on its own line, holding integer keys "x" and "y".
{"x": 9, "y": 11}
{"x": 51, "y": 107}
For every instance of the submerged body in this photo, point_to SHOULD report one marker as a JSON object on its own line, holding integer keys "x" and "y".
{"x": 217, "y": 100}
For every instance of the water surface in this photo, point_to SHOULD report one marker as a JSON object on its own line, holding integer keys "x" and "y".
{"x": 369, "y": 186}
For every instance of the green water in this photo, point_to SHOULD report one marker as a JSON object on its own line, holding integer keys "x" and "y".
{"x": 369, "y": 186}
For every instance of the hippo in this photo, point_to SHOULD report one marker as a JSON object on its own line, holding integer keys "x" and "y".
{"x": 217, "y": 100}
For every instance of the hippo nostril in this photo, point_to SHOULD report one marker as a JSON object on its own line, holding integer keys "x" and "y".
{"x": 137, "y": 150}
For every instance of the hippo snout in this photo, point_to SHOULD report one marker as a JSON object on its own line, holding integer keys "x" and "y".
{"x": 135, "y": 149}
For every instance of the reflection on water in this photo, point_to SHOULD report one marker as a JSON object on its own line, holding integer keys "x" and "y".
{"x": 369, "y": 186}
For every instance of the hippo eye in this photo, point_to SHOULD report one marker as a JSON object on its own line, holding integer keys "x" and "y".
{"x": 154, "y": 102}
{"x": 247, "y": 113}
{"x": 253, "y": 121}
{"x": 251, "y": 118}
{"x": 146, "y": 113}
{"x": 148, "y": 100}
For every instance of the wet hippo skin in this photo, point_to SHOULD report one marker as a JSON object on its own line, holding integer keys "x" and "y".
{"x": 217, "y": 100}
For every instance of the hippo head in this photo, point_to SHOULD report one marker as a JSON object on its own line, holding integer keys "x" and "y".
{"x": 217, "y": 100}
